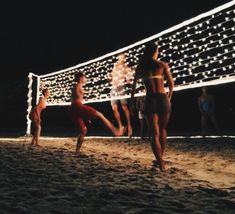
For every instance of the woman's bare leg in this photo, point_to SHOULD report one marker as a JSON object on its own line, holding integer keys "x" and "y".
{"x": 34, "y": 134}
{"x": 37, "y": 132}
{"x": 141, "y": 128}
{"x": 156, "y": 146}
{"x": 148, "y": 127}
{"x": 163, "y": 121}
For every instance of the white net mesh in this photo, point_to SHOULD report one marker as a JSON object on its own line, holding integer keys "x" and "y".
{"x": 200, "y": 51}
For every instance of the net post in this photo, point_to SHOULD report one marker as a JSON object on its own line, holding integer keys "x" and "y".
{"x": 29, "y": 101}
{"x": 38, "y": 89}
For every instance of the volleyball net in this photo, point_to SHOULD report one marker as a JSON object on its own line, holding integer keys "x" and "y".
{"x": 199, "y": 52}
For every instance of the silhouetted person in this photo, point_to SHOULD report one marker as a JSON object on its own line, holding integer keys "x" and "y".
{"x": 207, "y": 108}
{"x": 120, "y": 76}
{"x": 35, "y": 116}
{"x": 81, "y": 113}
{"x": 153, "y": 71}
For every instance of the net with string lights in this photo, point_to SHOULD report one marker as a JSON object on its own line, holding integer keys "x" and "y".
{"x": 199, "y": 51}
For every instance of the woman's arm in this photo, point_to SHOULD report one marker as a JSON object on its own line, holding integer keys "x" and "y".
{"x": 170, "y": 80}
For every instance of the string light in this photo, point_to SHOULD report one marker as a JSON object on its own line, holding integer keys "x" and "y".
{"x": 196, "y": 50}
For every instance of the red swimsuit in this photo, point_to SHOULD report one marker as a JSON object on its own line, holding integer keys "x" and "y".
{"x": 80, "y": 112}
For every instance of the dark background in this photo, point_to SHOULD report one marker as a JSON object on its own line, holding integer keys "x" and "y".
{"x": 46, "y": 36}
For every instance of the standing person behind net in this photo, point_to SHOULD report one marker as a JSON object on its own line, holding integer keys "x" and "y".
{"x": 206, "y": 106}
{"x": 81, "y": 113}
{"x": 120, "y": 76}
{"x": 35, "y": 116}
{"x": 152, "y": 71}
{"x": 140, "y": 106}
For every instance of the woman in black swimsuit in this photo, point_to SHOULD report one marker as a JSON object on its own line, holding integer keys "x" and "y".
{"x": 152, "y": 72}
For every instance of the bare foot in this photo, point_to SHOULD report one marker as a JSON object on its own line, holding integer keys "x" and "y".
{"x": 162, "y": 166}
{"x": 33, "y": 144}
{"x": 120, "y": 131}
{"x": 77, "y": 153}
{"x": 36, "y": 145}
{"x": 155, "y": 163}
{"x": 130, "y": 132}
{"x": 80, "y": 154}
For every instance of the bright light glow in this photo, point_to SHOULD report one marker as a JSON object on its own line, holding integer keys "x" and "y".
{"x": 29, "y": 101}
{"x": 199, "y": 51}
{"x": 110, "y": 137}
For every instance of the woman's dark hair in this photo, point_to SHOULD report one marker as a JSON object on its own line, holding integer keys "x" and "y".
{"x": 78, "y": 76}
{"x": 146, "y": 61}
{"x": 149, "y": 50}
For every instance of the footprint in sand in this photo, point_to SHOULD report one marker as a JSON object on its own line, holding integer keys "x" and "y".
{"x": 81, "y": 155}
{"x": 172, "y": 170}
{"x": 115, "y": 157}
{"x": 74, "y": 175}
{"x": 126, "y": 158}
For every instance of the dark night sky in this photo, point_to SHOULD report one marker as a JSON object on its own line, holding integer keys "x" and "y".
{"x": 45, "y": 36}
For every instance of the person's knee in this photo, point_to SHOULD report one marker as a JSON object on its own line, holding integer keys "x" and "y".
{"x": 115, "y": 108}
{"x": 99, "y": 114}
{"x": 83, "y": 130}
{"x": 37, "y": 125}
{"x": 124, "y": 107}
{"x": 155, "y": 130}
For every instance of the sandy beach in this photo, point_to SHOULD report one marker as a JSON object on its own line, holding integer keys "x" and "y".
{"x": 116, "y": 176}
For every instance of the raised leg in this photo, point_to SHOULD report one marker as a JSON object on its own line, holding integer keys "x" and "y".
{"x": 108, "y": 124}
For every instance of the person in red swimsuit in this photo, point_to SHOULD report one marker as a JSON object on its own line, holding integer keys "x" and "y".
{"x": 35, "y": 116}
{"x": 81, "y": 113}
{"x": 153, "y": 71}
